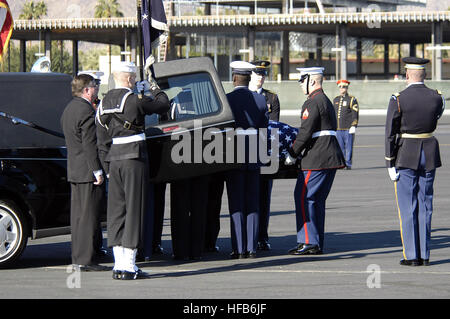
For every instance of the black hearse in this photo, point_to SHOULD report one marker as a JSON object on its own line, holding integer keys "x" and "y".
{"x": 34, "y": 192}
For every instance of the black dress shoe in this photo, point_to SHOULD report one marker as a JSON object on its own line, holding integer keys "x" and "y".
{"x": 93, "y": 267}
{"x": 158, "y": 250}
{"x": 305, "y": 249}
{"x": 235, "y": 255}
{"x": 424, "y": 262}
{"x": 250, "y": 254}
{"x": 139, "y": 274}
{"x": 412, "y": 262}
{"x": 263, "y": 245}
{"x": 213, "y": 249}
{"x": 117, "y": 274}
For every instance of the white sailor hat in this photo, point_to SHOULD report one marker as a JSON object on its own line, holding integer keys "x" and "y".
{"x": 95, "y": 74}
{"x": 309, "y": 71}
{"x": 124, "y": 66}
{"x": 242, "y": 67}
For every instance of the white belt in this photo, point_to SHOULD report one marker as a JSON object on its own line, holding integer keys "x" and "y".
{"x": 323, "y": 133}
{"x": 249, "y": 131}
{"x": 129, "y": 139}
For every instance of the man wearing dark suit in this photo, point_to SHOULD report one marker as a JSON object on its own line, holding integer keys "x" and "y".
{"x": 250, "y": 114}
{"x": 273, "y": 108}
{"x": 122, "y": 115}
{"x": 412, "y": 156}
{"x": 84, "y": 172}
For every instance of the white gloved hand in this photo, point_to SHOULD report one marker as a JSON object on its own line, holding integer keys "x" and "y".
{"x": 393, "y": 174}
{"x": 289, "y": 160}
{"x": 352, "y": 130}
{"x": 142, "y": 86}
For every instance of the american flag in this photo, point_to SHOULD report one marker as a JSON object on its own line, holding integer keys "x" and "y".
{"x": 286, "y": 136}
{"x": 6, "y": 26}
{"x": 154, "y": 28}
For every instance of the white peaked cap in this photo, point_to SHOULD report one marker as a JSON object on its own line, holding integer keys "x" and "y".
{"x": 242, "y": 67}
{"x": 95, "y": 74}
{"x": 311, "y": 71}
{"x": 123, "y": 66}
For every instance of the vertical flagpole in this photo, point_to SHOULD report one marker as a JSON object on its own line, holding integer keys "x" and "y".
{"x": 139, "y": 39}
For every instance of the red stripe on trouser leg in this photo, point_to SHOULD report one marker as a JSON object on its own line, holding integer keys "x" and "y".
{"x": 302, "y": 201}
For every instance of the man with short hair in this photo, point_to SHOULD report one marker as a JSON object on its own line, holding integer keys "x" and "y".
{"x": 258, "y": 78}
{"x": 122, "y": 115}
{"x": 84, "y": 172}
{"x": 250, "y": 114}
{"x": 412, "y": 156}
{"x": 320, "y": 156}
{"x": 347, "y": 113}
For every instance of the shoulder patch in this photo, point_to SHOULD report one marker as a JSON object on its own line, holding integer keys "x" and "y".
{"x": 439, "y": 92}
{"x": 305, "y": 114}
{"x": 395, "y": 95}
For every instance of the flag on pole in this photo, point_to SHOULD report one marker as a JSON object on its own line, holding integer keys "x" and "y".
{"x": 6, "y": 27}
{"x": 154, "y": 28}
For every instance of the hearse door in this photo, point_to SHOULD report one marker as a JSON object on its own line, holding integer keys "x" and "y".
{"x": 191, "y": 140}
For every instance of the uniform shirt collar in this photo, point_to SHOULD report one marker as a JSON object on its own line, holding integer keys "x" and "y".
{"x": 415, "y": 83}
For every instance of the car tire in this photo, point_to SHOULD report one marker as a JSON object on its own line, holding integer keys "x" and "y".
{"x": 13, "y": 232}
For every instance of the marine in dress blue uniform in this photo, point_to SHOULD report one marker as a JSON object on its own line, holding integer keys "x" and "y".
{"x": 250, "y": 113}
{"x": 412, "y": 156}
{"x": 347, "y": 113}
{"x": 321, "y": 155}
{"x": 273, "y": 108}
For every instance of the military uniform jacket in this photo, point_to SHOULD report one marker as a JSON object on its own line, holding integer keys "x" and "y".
{"x": 273, "y": 104}
{"x": 321, "y": 152}
{"x": 249, "y": 111}
{"x": 122, "y": 114}
{"x": 347, "y": 110}
{"x": 415, "y": 110}
{"x": 78, "y": 124}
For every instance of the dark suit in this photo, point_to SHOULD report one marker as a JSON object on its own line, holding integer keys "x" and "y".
{"x": 250, "y": 111}
{"x": 78, "y": 123}
{"x": 411, "y": 119}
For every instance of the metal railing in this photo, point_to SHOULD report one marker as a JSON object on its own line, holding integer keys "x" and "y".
{"x": 240, "y": 20}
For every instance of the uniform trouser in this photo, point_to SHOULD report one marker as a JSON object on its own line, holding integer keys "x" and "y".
{"x": 414, "y": 194}
{"x": 243, "y": 202}
{"x": 85, "y": 210}
{"x": 128, "y": 201}
{"x": 215, "y": 191}
{"x": 345, "y": 140}
{"x": 311, "y": 192}
{"x": 264, "y": 208}
{"x": 188, "y": 203}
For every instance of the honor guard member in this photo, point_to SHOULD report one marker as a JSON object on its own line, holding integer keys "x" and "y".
{"x": 321, "y": 155}
{"x": 273, "y": 107}
{"x": 122, "y": 114}
{"x": 412, "y": 156}
{"x": 84, "y": 173}
{"x": 250, "y": 114}
{"x": 347, "y": 110}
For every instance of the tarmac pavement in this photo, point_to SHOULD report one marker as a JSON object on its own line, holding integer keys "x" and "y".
{"x": 360, "y": 261}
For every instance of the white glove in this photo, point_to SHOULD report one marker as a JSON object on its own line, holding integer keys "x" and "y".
{"x": 352, "y": 130}
{"x": 289, "y": 160}
{"x": 393, "y": 174}
{"x": 142, "y": 86}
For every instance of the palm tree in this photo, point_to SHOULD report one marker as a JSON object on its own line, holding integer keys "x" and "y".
{"x": 31, "y": 11}
{"x": 108, "y": 9}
